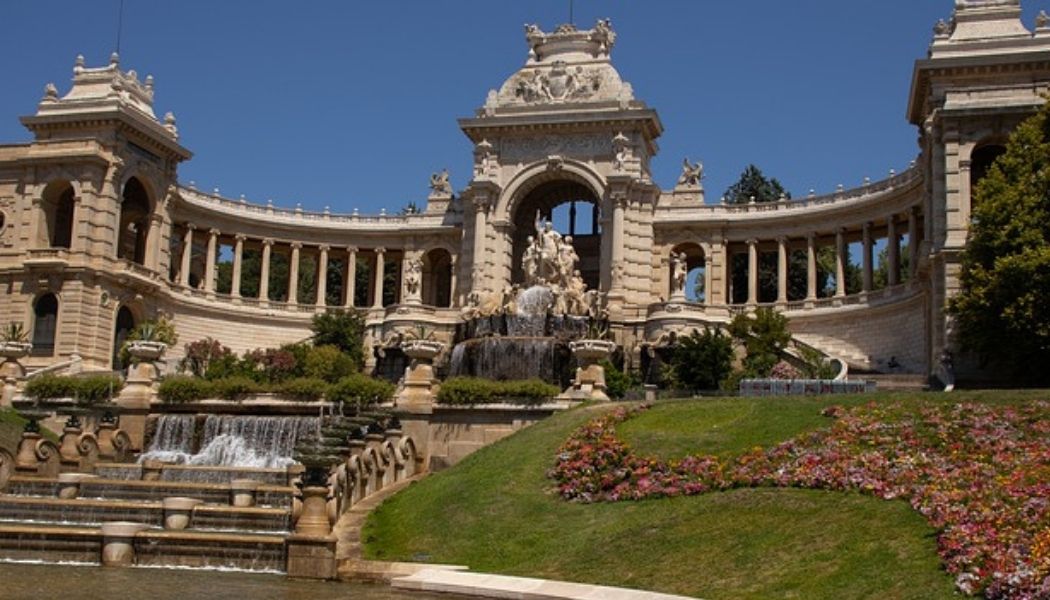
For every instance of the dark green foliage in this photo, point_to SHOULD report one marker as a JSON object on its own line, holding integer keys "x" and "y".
{"x": 200, "y": 354}
{"x": 468, "y": 391}
{"x": 236, "y": 388}
{"x": 303, "y": 389}
{"x": 816, "y": 365}
{"x": 1002, "y": 310}
{"x": 342, "y": 329}
{"x": 701, "y": 360}
{"x": 87, "y": 390}
{"x": 328, "y": 363}
{"x": 765, "y": 335}
{"x": 753, "y": 184}
{"x": 616, "y": 381}
{"x": 361, "y": 390}
{"x": 184, "y": 388}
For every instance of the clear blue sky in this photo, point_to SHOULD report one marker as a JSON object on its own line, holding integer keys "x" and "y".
{"x": 354, "y": 104}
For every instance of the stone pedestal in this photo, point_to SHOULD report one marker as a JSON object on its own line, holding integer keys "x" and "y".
{"x": 313, "y": 521}
{"x": 69, "y": 484}
{"x": 178, "y": 512}
{"x": 118, "y": 543}
{"x": 242, "y": 492}
{"x": 417, "y": 394}
{"x": 37, "y": 457}
{"x": 11, "y": 370}
{"x": 589, "y": 383}
{"x": 311, "y": 557}
{"x": 139, "y": 390}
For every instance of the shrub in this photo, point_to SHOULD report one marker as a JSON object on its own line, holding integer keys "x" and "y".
{"x": 200, "y": 354}
{"x": 87, "y": 390}
{"x": 700, "y": 361}
{"x": 328, "y": 363}
{"x": 361, "y": 390}
{"x": 14, "y": 332}
{"x": 303, "y": 389}
{"x": 344, "y": 330}
{"x": 236, "y": 388}
{"x": 816, "y": 366}
{"x": 468, "y": 391}
{"x": 161, "y": 330}
{"x": 616, "y": 381}
{"x": 765, "y": 335}
{"x": 183, "y": 388}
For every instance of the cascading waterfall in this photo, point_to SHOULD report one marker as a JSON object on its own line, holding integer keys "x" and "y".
{"x": 228, "y": 441}
{"x": 511, "y": 358}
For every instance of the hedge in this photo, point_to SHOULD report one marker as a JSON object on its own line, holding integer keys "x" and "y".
{"x": 360, "y": 390}
{"x": 91, "y": 389}
{"x": 467, "y": 391}
{"x": 185, "y": 388}
{"x": 303, "y": 389}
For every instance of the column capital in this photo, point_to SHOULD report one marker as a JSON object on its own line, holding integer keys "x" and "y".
{"x": 240, "y": 237}
{"x": 782, "y": 239}
{"x": 189, "y": 226}
{"x": 752, "y": 241}
{"x": 380, "y": 250}
{"x": 351, "y": 249}
{"x": 267, "y": 242}
{"x": 296, "y": 245}
{"x": 324, "y": 247}
{"x": 214, "y": 232}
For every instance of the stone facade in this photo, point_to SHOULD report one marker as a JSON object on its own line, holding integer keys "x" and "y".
{"x": 99, "y": 234}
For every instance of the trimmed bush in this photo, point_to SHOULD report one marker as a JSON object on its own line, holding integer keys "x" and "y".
{"x": 87, "y": 390}
{"x": 361, "y": 390}
{"x": 303, "y": 389}
{"x": 468, "y": 391}
{"x": 236, "y": 388}
{"x": 328, "y": 363}
{"x": 184, "y": 388}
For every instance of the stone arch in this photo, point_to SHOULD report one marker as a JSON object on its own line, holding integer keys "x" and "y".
{"x": 136, "y": 208}
{"x": 695, "y": 264}
{"x": 45, "y": 324}
{"x": 982, "y": 157}
{"x": 542, "y": 172}
{"x": 437, "y": 278}
{"x": 57, "y": 212}
{"x": 124, "y": 322}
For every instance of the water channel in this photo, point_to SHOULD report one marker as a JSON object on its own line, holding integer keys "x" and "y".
{"x": 33, "y": 582}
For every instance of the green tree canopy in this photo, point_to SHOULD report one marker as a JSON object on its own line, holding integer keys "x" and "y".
{"x": 753, "y": 183}
{"x": 1002, "y": 309}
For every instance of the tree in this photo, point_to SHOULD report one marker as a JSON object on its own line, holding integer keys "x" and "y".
{"x": 344, "y": 329}
{"x": 753, "y": 183}
{"x": 1001, "y": 310}
{"x": 702, "y": 360}
{"x": 765, "y": 335}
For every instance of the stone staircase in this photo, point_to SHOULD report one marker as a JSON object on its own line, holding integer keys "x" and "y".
{"x": 857, "y": 360}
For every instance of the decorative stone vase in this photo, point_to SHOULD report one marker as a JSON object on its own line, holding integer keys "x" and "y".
{"x": 10, "y": 369}
{"x": 178, "y": 512}
{"x": 417, "y": 395}
{"x": 15, "y": 350}
{"x": 118, "y": 542}
{"x": 590, "y": 376}
{"x": 242, "y": 492}
{"x": 144, "y": 351}
{"x": 69, "y": 484}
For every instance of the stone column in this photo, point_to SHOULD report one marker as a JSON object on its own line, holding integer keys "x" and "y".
{"x": 452, "y": 283}
{"x": 893, "y": 251}
{"x": 377, "y": 299}
{"x": 322, "y": 276}
{"x": 293, "y": 274}
{"x": 264, "y": 270}
{"x": 868, "y": 276}
{"x": 752, "y": 272}
{"x": 913, "y": 241}
{"x": 811, "y": 267}
{"x": 238, "y": 255}
{"x": 151, "y": 257}
{"x": 209, "y": 265}
{"x": 480, "y": 230}
{"x": 619, "y": 204}
{"x": 840, "y": 263}
{"x": 708, "y": 276}
{"x": 782, "y": 270}
{"x": 350, "y": 278}
{"x": 187, "y": 256}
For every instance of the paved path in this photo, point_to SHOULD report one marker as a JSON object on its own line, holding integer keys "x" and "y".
{"x": 517, "y": 588}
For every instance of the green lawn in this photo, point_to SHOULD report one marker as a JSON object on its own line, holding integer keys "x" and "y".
{"x": 10, "y": 429}
{"x": 495, "y": 512}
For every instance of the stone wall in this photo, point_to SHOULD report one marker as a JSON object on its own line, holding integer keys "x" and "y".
{"x": 457, "y": 432}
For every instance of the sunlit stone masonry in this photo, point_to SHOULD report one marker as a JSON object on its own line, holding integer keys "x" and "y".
{"x": 97, "y": 232}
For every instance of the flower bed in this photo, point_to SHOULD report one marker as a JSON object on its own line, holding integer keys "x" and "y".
{"x": 979, "y": 474}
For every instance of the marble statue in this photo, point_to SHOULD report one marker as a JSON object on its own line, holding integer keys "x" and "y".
{"x": 679, "y": 271}
{"x": 439, "y": 184}
{"x": 692, "y": 173}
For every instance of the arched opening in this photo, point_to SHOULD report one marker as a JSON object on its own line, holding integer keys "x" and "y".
{"x": 694, "y": 280}
{"x": 134, "y": 222}
{"x": 45, "y": 324}
{"x": 437, "y": 278}
{"x": 573, "y": 210}
{"x": 124, "y": 325}
{"x": 981, "y": 161}
{"x": 58, "y": 204}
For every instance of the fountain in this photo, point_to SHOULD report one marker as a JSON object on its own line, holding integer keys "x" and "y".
{"x": 523, "y": 333}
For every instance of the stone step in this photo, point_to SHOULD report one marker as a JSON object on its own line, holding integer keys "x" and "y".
{"x": 114, "y": 489}
{"x": 194, "y": 473}
{"x": 898, "y": 382}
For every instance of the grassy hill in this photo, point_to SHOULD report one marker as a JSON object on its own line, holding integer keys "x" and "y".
{"x": 10, "y": 429}
{"x": 496, "y": 512}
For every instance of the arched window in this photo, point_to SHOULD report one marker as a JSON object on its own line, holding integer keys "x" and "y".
{"x": 125, "y": 325}
{"x": 437, "y": 278}
{"x": 45, "y": 323}
{"x": 134, "y": 222}
{"x": 58, "y": 206}
{"x": 694, "y": 279}
{"x": 981, "y": 160}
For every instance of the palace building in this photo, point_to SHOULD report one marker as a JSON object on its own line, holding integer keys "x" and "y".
{"x": 97, "y": 233}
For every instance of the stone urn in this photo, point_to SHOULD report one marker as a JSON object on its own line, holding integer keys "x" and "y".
{"x": 10, "y": 369}
{"x": 145, "y": 351}
{"x": 15, "y": 350}
{"x": 178, "y": 512}
{"x": 417, "y": 394}
{"x": 590, "y": 375}
{"x": 69, "y": 484}
{"x": 118, "y": 542}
